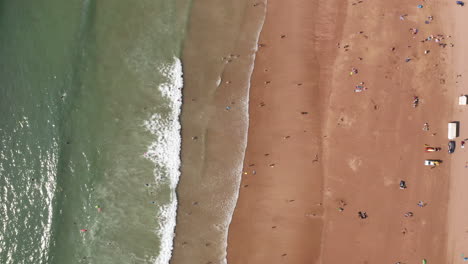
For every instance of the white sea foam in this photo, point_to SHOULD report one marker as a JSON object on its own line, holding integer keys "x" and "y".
{"x": 165, "y": 153}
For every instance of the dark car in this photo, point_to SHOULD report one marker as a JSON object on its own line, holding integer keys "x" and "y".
{"x": 451, "y": 146}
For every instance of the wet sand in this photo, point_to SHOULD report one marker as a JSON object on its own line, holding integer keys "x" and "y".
{"x": 217, "y": 62}
{"x": 279, "y": 208}
{"x": 333, "y": 152}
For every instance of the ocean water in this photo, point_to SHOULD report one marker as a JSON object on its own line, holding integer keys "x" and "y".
{"x": 89, "y": 129}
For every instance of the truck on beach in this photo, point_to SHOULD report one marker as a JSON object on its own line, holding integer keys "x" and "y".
{"x": 463, "y": 100}
{"x": 452, "y": 130}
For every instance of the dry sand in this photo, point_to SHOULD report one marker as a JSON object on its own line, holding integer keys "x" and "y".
{"x": 458, "y": 217}
{"x": 351, "y": 149}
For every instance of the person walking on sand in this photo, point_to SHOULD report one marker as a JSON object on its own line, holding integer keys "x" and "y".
{"x": 362, "y": 215}
{"x": 360, "y": 88}
{"x": 402, "y": 185}
{"x": 425, "y": 127}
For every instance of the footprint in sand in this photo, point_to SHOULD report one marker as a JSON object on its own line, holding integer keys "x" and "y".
{"x": 220, "y": 227}
{"x": 345, "y": 120}
{"x": 388, "y": 181}
{"x": 354, "y": 163}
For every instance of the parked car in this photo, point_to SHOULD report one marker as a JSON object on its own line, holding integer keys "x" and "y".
{"x": 451, "y": 146}
{"x": 432, "y": 163}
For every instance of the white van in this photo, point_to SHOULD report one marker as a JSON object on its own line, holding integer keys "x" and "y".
{"x": 463, "y": 100}
{"x": 452, "y": 130}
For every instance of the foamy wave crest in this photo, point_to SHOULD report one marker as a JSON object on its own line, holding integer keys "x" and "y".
{"x": 165, "y": 153}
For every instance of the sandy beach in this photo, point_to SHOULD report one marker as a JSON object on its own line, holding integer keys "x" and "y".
{"x": 333, "y": 132}
{"x": 279, "y": 207}
{"x": 457, "y": 217}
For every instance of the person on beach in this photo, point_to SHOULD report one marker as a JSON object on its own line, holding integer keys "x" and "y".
{"x": 360, "y": 88}
{"x": 404, "y": 231}
{"x": 362, "y": 215}
{"x": 415, "y": 101}
{"x": 408, "y": 214}
{"x": 429, "y": 20}
{"x": 402, "y": 185}
{"x": 426, "y": 127}
{"x": 414, "y": 31}
{"x": 421, "y": 204}
{"x": 342, "y": 205}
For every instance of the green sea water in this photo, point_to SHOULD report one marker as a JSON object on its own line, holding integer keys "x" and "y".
{"x": 89, "y": 131}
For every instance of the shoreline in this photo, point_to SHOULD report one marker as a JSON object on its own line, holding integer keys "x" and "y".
{"x": 281, "y": 190}
{"x": 214, "y": 125}
{"x": 371, "y": 140}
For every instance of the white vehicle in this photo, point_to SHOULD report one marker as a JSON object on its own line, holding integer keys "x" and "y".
{"x": 452, "y": 130}
{"x": 432, "y": 163}
{"x": 463, "y": 100}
